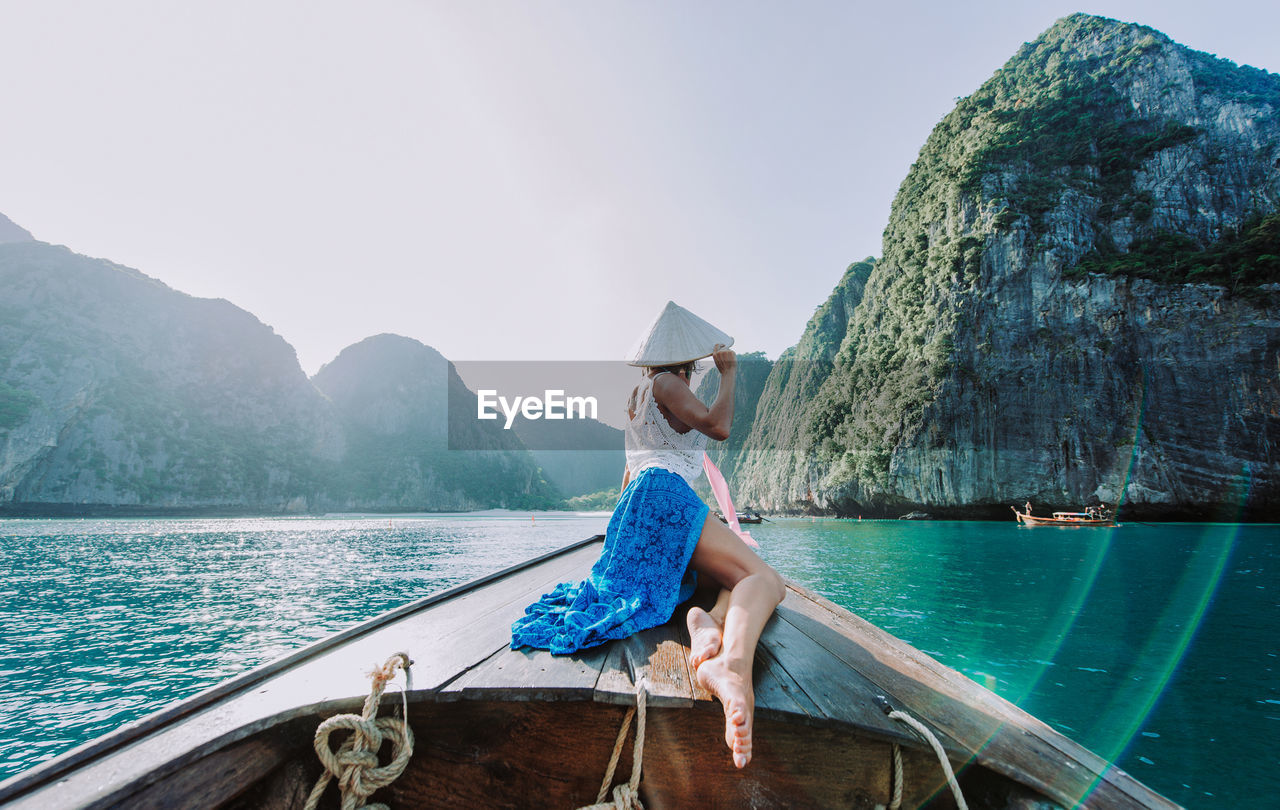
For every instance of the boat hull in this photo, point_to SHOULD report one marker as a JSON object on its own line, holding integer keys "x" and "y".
{"x": 520, "y": 754}
{"x": 1029, "y": 520}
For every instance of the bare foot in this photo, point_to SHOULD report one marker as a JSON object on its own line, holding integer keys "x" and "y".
{"x": 719, "y": 678}
{"x": 704, "y": 636}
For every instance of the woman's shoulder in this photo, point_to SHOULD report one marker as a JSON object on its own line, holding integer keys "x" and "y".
{"x": 665, "y": 382}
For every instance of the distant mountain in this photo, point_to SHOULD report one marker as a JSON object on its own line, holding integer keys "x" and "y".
{"x": 121, "y": 395}
{"x": 570, "y": 456}
{"x": 116, "y": 390}
{"x": 392, "y": 395}
{"x": 10, "y": 232}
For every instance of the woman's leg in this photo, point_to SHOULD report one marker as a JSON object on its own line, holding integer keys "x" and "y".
{"x": 754, "y": 590}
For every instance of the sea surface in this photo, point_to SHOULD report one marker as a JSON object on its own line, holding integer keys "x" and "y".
{"x": 1154, "y": 645}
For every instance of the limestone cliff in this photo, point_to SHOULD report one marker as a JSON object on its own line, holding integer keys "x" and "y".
{"x": 117, "y": 390}
{"x": 1077, "y": 301}
{"x": 771, "y": 464}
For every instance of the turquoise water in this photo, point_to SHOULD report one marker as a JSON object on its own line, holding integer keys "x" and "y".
{"x": 1155, "y": 646}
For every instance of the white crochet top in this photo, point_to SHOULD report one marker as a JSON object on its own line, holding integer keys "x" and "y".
{"x": 652, "y": 442}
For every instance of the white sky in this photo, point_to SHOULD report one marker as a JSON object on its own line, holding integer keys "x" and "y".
{"x": 515, "y": 180}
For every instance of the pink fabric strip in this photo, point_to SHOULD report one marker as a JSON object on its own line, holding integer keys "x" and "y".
{"x": 720, "y": 488}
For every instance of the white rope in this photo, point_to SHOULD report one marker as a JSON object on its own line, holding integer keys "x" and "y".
{"x": 928, "y": 737}
{"x": 355, "y": 763}
{"x": 625, "y": 796}
{"x": 617, "y": 752}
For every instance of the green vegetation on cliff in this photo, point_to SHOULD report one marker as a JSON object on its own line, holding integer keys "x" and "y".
{"x": 1240, "y": 262}
{"x": 774, "y": 455}
{"x": 1057, "y": 118}
{"x": 602, "y": 501}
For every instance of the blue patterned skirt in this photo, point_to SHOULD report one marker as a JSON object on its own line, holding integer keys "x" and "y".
{"x": 638, "y": 581}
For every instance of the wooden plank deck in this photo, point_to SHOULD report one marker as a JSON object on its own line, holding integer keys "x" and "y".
{"x": 817, "y": 665}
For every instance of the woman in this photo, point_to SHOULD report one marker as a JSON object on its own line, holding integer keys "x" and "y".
{"x": 661, "y": 533}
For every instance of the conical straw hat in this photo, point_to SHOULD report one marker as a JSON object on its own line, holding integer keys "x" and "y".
{"x": 676, "y": 336}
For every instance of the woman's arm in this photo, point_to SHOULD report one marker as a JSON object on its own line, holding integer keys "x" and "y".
{"x": 676, "y": 396}
{"x": 626, "y": 477}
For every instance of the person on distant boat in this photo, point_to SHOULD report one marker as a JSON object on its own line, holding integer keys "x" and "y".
{"x": 661, "y": 533}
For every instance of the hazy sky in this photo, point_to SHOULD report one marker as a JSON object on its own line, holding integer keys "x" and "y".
{"x": 503, "y": 180}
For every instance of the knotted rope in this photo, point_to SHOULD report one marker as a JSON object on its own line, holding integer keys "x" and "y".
{"x": 625, "y": 796}
{"x": 923, "y": 731}
{"x": 355, "y": 763}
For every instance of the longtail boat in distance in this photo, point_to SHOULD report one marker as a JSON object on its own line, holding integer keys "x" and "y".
{"x": 1092, "y": 516}
{"x": 743, "y": 517}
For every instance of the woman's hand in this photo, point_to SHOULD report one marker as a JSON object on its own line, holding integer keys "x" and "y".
{"x": 726, "y": 360}
{"x": 677, "y": 402}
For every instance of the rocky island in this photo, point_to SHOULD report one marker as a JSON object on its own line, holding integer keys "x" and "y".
{"x": 1078, "y": 302}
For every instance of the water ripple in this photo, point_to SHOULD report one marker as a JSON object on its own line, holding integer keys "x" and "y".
{"x": 105, "y": 621}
